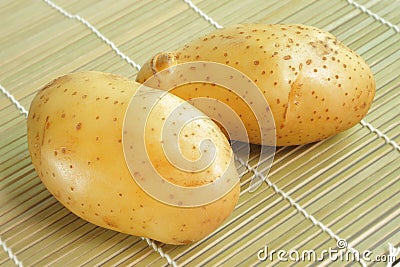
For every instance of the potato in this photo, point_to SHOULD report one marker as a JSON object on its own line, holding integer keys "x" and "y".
{"x": 315, "y": 85}
{"x": 75, "y": 139}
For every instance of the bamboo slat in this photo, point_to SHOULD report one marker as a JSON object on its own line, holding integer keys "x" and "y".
{"x": 349, "y": 182}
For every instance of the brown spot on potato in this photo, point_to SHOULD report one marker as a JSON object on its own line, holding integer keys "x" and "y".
{"x": 110, "y": 222}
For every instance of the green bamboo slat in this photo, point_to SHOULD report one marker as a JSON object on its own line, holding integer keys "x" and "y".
{"x": 354, "y": 198}
{"x": 105, "y": 247}
{"x": 141, "y": 249}
{"x": 317, "y": 217}
{"x": 19, "y": 185}
{"x": 64, "y": 245}
{"x": 334, "y": 201}
{"x": 383, "y": 8}
{"x": 73, "y": 55}
{"x": 17, "y": 208}
{"x": 355, "y": 166}
{"x": 7, "y": 262}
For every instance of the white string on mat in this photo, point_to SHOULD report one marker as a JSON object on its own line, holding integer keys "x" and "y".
{"x": 380, "y": 134}
{"x": 160, "y": 251}
{"x": 274, "y": 186}
{"x": 256, "y": 173}
{"x": 374, "y": 15}
{"x": 364, "y": 9}
{"x": 95, "y": 31}
{"x": 202, "y": 14}
{"x": 299, "y": 208}
{"x": 25, "y": 112}
{"x": 21, "y": 109}
{"x": 393, "y": 252}
{"x": 397, "y": 30}
{"x": 10, "y": 254}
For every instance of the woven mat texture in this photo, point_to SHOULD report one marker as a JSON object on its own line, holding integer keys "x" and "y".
{"x": 349, "y": 183}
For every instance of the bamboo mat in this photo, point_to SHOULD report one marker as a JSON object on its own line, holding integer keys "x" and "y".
{"x": 349, "y": 183}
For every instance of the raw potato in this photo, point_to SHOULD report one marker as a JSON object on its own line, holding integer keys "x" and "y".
{"x": 75, "y": 142}
{"x": 315, "y": 85}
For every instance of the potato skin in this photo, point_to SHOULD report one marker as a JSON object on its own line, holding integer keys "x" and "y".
{"x": 315, "y": 85}
{"x": 74, "y": 138}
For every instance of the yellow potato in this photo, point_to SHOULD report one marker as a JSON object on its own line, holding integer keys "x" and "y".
{"x": 75, "y": 138}
{"x": 314, "y": 84}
